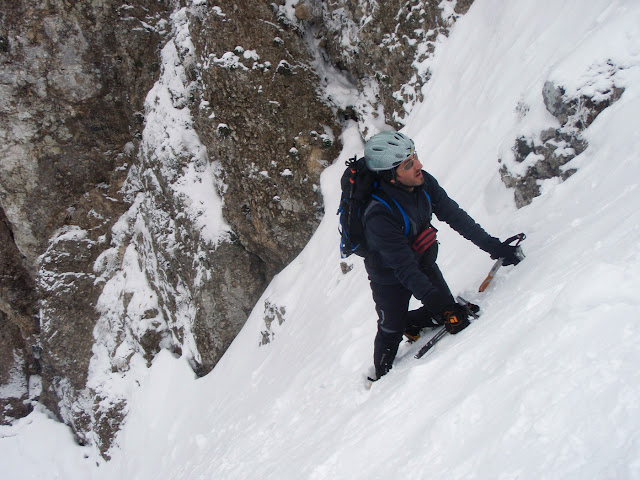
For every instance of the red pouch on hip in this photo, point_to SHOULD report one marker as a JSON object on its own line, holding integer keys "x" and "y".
{"x": 425, "y": 240}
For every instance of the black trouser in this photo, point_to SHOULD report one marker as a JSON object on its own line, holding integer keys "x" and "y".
{"x": 392, "y": 305}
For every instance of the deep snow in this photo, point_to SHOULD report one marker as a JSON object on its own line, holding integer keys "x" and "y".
{"x": 544, "y": 385}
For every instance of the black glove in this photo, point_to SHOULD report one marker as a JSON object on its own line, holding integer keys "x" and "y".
{"x": 436, "y": 303}
{"x": 455, "y": 318}
{"x": 511, "y": 254}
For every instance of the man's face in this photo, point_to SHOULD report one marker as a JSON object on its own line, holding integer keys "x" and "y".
{"x": 409, "y": 172}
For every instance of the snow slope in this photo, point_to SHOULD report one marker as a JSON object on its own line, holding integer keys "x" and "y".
{"x": 544, "y": 385}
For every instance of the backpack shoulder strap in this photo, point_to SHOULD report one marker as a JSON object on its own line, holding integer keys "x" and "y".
{"x": 378, "y": 196}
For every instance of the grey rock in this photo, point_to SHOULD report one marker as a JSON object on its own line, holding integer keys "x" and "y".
{"x": 552, "y": 96}
{"x": 557, "y": 146}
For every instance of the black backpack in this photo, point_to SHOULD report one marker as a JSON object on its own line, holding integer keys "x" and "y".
{"x": 358, "y": 184}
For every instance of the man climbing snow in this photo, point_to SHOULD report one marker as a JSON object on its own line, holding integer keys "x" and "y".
{"x": 402, "y": 247}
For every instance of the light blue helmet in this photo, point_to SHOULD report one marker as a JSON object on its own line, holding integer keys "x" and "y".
{"x": 387, "y": 150}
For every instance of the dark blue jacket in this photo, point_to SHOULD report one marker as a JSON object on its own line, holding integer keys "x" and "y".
{"x": 390, "y": 259}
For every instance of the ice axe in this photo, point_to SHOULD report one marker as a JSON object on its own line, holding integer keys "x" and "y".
{"x": 496, "y": 266}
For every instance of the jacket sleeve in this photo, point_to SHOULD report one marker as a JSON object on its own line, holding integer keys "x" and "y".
{"x": 385, "y": 236}
{"x": 447, "y": 210}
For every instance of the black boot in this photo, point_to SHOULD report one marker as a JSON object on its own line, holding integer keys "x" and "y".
{"x": 417, "y": 320}
{"x": 385, "y": 350}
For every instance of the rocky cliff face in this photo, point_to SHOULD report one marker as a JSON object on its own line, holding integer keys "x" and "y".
{"x": 159, "y": 163}
{"x": 72, "y": 82}
{"x": 384, "y": 47}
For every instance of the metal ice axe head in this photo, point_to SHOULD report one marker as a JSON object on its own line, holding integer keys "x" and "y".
{"x": 496, "y": 266}
{"x": 519, "y": 237}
